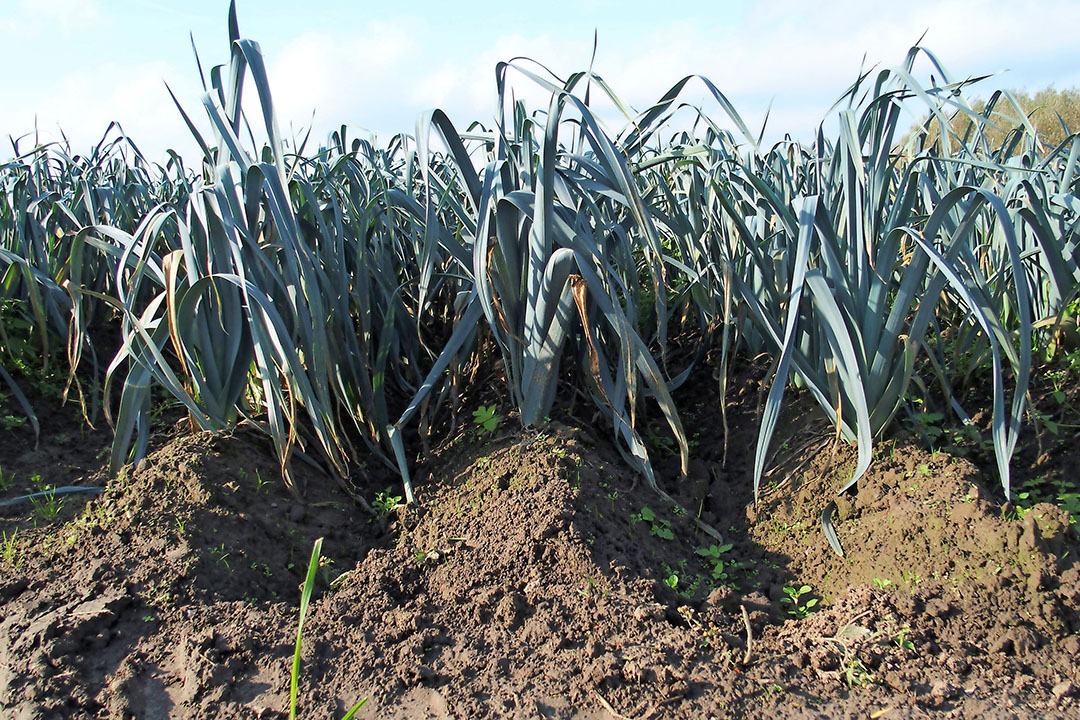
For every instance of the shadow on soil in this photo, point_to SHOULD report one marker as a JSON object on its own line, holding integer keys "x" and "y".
{"x": 538, "y": 577}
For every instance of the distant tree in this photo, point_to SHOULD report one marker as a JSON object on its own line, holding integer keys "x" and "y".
{"x": 1054, "y": 114}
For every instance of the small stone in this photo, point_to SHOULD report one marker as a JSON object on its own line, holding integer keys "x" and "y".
{"x": 1036, "y": 581}
{"x": 720, "y": 597}
{"x": 1023, "y": 640}
{"x": 1062, "y": 690}
{"x": 1002, "y": 644}
{"x": 1072, "y": 645}
{"x": 633, "y": 673}
{"x": 942, "y": 690}
{"x": 937, "y": 607}
{"x": 604, "y": 669}
{"x": 958, "y": 665}
{"x": 895, "y": 681}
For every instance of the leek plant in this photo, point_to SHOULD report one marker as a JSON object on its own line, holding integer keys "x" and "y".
{"x": 332, "y": 297}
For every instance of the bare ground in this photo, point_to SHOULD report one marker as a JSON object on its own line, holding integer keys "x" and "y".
{"x": 538, "y": 578}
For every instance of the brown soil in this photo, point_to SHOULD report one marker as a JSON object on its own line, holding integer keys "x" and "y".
{"x": 531, "y": 582}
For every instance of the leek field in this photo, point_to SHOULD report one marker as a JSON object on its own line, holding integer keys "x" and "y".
{"x": 639, "y": 332}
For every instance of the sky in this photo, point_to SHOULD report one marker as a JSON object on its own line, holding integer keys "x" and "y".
{"x": 75, "y": 65}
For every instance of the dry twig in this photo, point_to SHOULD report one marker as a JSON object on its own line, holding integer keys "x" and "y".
{"x": 749, "y": 635}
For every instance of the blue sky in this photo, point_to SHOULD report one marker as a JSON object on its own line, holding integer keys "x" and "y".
{"x": 76, "y": 64}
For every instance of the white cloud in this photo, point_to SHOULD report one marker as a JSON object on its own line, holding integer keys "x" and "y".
{"x": 799, "y": 59}
{"x": 384, "y": 75}
{"x": 336, "y": 74}
{"x": 804, "y": 59}
{"x": 44, "y": 17}
{"x": 83, "y": 103}
{"x": 381, "y": 75}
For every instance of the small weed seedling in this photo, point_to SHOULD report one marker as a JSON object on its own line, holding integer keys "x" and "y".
{"x": 856, "y": 673}
{"x": 714, "y": 558}
{"x": 328, "y": 573}
{"x": 10, "y": 422}
{"x": 800, "y": 608}
{"x": 263, "y": 568}
{"x": 9, "y": 550}
{"x": 46, "y": 508}
{"x": 591, "y": 589}
{"x": 928, "y": 424}
{"x": 680, "y": 580}
{"x": 7, "y": 480}
{"x": 664, "y": 445}
{"x": 305, "y": 599}
{"x": 658, "y": 526}
{"x": 158, "y": 595}
{"x": 221, "y": 556}
{"x": 911, "y": 578}
{"x": 903, "y": 639}
{"x": 485, "y": 419}
{"x": 385, "y": 503}
{"x": 261, "y": 485}
{"x": 39, "y": 483}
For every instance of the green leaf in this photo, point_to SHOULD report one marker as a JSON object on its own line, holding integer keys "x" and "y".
{"x": 305, "y": 598}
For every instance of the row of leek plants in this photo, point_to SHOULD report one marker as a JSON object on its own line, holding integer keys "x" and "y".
{"x": 333, "y": 299}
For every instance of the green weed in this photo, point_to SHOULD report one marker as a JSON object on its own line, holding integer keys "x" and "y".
{"x": 261, "y": 485}
{"x": 385, "y": 503}
{"x": 39, "y": 483}
{"x": 305, "y": 599}
{"x": 657, "y": 526}
{"x": 221, "y": 556}
{"x": 856, "y": 673}
{"x": 800, "y": 608}
{"x": 7, "y": 480}
{"x": 903, "y": 638}
{"x": 9, "y": 549}
{"x": 10, "y": 422}
{"x": 47, "y": 507}
{"x": 485, "y": 418}
{"x": 714, "y": 556}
